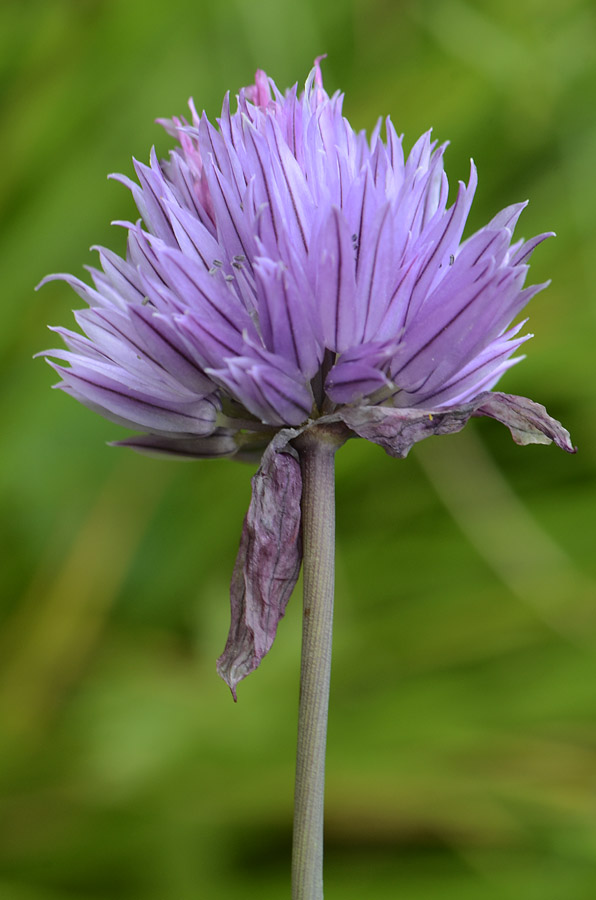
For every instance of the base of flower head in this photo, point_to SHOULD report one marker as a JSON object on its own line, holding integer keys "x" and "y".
{"x": 270, "y": 553}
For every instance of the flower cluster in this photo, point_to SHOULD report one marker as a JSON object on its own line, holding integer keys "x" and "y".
{"x": 290, "y": 273}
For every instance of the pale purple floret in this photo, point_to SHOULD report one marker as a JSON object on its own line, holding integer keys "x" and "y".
{"x": 290, "y": 272}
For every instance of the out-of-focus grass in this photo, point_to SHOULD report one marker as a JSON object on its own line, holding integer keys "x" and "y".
{"x": 462, "y": 745}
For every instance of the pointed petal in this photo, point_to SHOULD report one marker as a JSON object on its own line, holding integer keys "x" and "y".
{"x": 292, "y": 184}
{"x": 88, "y": 294}
{"x": 286, "y": 317}
{"x": 264, "y": 388}
{"x": 122, "y": 276}
{"x": 528, "y": 247}
{"x": 232, "y": 231}
{"x": 193, "y": 238}
{"x": 481, "y": 374}
{"x": 149, "y": 197}
{"x": 100, "y": 387}
{"x": 144, "y": 344}
{"x": 444, "y": 237}
{"x": 268, "y": 561}
{"x": 359, "y": 372}
{"x": 354, "y": 380}
{"x": 395, "y": 150}
{"x": 335, "y": 280}
{"x": 213, "y": 446}
{"x": 375, "y": 260}
{"x": 213, "y": 342}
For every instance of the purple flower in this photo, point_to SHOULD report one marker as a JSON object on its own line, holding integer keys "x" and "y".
{"x": 290, "y": 273}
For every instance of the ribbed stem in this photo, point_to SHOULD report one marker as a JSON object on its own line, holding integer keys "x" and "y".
{"x": 317, "y": 451}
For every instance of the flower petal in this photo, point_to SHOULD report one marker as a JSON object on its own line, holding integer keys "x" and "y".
{"x": 265, "y": 389}
{"x": 287, "y": 317}
{"x": 359, "y": 372}
{"x": 128, "y": 403}
{"x": 213, "y": 446}
{"x": 336, "y": 282}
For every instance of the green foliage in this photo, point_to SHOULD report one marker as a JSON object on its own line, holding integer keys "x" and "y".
{"x": 462, "y": 745}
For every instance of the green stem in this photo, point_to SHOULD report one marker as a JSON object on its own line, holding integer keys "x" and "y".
{"x": 316, "y": 449}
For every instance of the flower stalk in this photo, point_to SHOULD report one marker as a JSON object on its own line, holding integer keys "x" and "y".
{"x": 316, "y": 450}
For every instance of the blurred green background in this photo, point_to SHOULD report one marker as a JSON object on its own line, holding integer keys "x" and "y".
{"x": 462, "y": 738}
